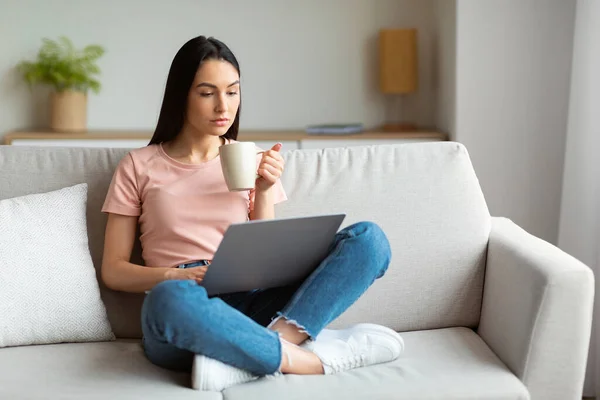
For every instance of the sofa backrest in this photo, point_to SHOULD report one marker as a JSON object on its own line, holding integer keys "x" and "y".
{"x": 426, "y": 197}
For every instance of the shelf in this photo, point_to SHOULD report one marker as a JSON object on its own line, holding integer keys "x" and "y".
{"x": 244, "y": 135}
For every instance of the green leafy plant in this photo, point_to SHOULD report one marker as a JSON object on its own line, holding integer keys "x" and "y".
{"x": 62, "y": 66}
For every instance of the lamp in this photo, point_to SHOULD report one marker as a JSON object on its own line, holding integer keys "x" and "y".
{"x": 398, "y": 68}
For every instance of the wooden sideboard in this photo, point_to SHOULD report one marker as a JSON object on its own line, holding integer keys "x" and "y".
{"x": 265, "y": 139}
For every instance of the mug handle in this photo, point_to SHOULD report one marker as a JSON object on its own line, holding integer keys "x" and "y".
{"x": 259, "y": 152}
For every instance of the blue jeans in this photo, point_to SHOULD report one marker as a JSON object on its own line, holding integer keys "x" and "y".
{"x": 179, "y": 319}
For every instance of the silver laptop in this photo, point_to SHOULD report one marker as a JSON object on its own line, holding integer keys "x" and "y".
{"x": 270, "y": 253}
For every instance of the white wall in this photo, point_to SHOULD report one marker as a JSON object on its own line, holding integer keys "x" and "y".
{"x": 302, "y": 62}
{"x": 444, "y": 56}
{"x": 579, "y": 232}
{"x": 512, "y": 89}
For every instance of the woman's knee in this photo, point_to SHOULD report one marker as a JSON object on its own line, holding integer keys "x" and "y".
{"x": 167, "y": 298}
{"x": 374, "y": 244}
{"x": 372, "y": 237}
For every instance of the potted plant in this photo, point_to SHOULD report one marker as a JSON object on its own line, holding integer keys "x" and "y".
{"x": 71, "y": 72}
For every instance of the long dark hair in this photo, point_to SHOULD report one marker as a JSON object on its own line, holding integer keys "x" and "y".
{"x": 180, "y": 79}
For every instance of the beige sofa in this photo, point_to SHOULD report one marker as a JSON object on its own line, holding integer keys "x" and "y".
{"x": 488, "y": 311}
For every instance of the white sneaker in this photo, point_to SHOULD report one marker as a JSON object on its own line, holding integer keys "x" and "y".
{"x": 213, "y": 375}
{"x": 358, "y": 346}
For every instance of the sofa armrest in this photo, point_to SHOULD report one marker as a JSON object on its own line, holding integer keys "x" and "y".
{"x": 537, "y": 311}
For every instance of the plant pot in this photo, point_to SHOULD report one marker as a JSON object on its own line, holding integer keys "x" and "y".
{"x": 68, "y": 111}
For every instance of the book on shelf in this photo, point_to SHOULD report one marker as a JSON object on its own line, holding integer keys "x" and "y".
{"x": 334, "y": 129}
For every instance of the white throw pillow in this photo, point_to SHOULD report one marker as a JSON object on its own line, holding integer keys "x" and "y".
{"x": 48, "y": 287}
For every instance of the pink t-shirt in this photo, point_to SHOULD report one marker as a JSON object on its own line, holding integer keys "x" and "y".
{"x": 183, "y": 209}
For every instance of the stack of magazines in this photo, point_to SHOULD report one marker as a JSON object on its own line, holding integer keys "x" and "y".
{"x": 334, "y": 129}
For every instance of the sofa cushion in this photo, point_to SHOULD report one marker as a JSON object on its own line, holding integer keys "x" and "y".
{"x": 452, "y": 363}
{"x": 27, "y": 170}
{"x": 427, "y": 199}
{"x": 96, "y": 371}
{"x": 48, "y": 287}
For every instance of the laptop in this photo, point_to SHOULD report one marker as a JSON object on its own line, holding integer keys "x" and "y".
{"x": 264, "y": 254}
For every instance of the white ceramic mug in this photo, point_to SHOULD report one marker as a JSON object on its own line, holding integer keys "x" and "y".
{"x": 238, "y": 162}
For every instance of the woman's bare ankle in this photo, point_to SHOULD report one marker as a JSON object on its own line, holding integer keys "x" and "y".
{"x": 296, "y": 360}
{"x": 288, "y": 330}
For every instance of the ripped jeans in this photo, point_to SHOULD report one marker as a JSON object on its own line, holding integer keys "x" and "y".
{"x": 180, "y": 320}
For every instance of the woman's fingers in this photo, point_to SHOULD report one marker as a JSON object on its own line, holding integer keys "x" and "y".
{"x": 275, "y": 166}
{"x": 278, "y": 159}
{"x": 276, "y": 147}
{"x": 269, "y": 172}
{"x": 198, "y": 273}
{"x": 274, "y": 155}
{"x": 278, "y": 165}
{"x": 272, "y": 169}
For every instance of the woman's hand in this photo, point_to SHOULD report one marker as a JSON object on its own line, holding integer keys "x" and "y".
{"x": 194, "y": 273}
{"x": 270, "y": 168}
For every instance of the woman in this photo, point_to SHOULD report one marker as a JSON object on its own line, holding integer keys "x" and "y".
{"x": 175, "y": 190}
